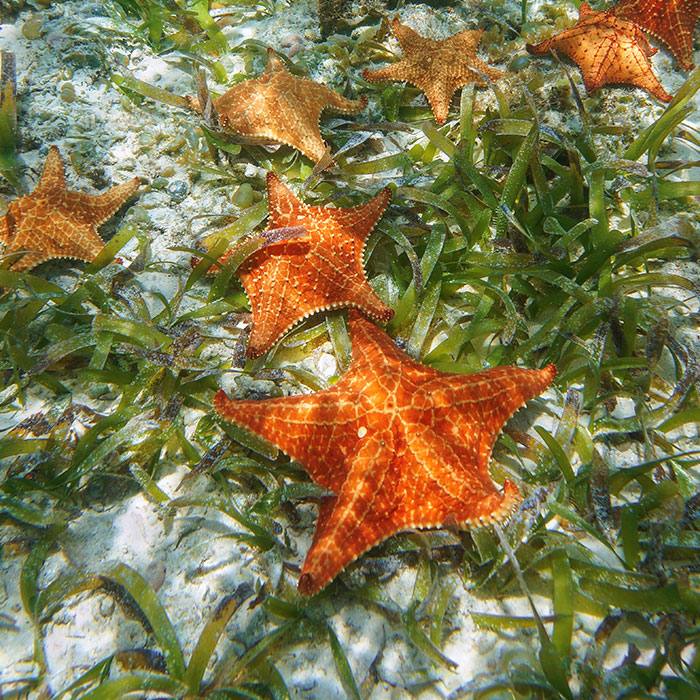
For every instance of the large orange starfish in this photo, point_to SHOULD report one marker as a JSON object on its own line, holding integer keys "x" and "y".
{"x": 401, "y": 446}
{"x": 281, "y": 107}
{"x": 671, "y": 21}
{"x": 607, "y": 49}
{"x": 437, "y": 67}
{"x": 291, "y": 279}
{"x": 53, "y": 222}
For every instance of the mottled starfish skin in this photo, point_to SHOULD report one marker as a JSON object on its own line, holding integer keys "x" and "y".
{"x": 292, "y": 279}
{"x": 607, "y": 50}
{"x": 670, "y": 21}
{"x": 400, "y": 444}
{"x": 281, "y": 107}
{"x": 53, "y": 222}
{"x": 437, "y": 67}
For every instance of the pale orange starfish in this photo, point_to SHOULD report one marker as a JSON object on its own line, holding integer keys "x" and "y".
{"x": 280, "y": 107}
{"x": 399, "y": 444}
{"x": 293, "y": 278}
{"x": 53, "y": 222}
{"x": 437, "y": 67}
{"x": 607, "y": 50}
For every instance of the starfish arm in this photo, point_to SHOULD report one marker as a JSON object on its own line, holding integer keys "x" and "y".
{"x": 94, "y": 210}
{"x": 312, "y": 429}
{"x": 6, "y": 228}
{"x": 493, "y": 395}
{"x": 283, "y": 205}
{"x": 374, "y": 353}
{"x": 335, "y": 102}
{"x": 359, "y": 221}
{"x": 635, "y": 70}
{"x": 359, "y": 518}
{"x": 311, "y": 144}
{"x": 442, "y": 483}
{"x": 439, "y": 94}
{"x": 73, "y": 239}
{"x": 53, "y": 177}
{"x": 28, "y": 262}
{"x": 409, "y": 40}
{"x": 444, "y": 465}
{"x": 465, "y": 42}
{"x": 274, "y": 63}
{"x": 394, "y": 71}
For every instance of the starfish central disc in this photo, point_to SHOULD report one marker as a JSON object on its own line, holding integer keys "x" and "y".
{"x": 53, "y": 222}
{"x": 295, "y": 277}
{"x": 607, "y": 50}
{"x": 437, "y": 67}
{"x": 400, "y": 445}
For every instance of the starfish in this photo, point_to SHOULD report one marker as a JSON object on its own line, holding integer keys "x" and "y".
{"x": 400, "y": 445}
{"x": 671, "y": 21}
{"x": 438, "y": 68}
{"x": 280, "y": 107}
{"x": 53, "y": 222}
{"x": 607, "y": 49}
{"x": 300, "y": 275}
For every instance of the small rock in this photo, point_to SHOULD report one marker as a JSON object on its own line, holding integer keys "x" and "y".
{"x": 31, "y": 29}
{"x": 107, "y": 606}
{"x": 67, "y": 92}
{"x": 292, "y": 44}
{"x": 243, "y": 196}
{"x": 177, "y": 190}
{"x": 155, "y": 574}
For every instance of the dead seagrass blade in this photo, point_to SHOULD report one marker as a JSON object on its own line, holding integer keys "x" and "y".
{"x": 400, "y": 445}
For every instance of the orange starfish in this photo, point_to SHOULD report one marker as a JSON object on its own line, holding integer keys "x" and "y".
{"x": 671, "y": 21}
{"x": 293, "y": 278}
{"x": 401, "y": 446}
{"x": 281, "y": 107}
{"x": 438, "y": 68}
{"x": 607, "y": 49}
{"x": 53, "y": 222}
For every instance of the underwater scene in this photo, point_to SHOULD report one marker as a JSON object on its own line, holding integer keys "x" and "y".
{"x": 349, "y": 349}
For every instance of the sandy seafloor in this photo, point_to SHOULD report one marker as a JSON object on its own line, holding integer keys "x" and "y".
{"x": 191, "y": 562}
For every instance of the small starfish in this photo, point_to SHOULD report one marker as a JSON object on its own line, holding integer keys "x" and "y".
{"x": 53, "y": 222}
{"x": 437, "y": 67}
{"x": 671, "y": 21}
{"x": 607, "y": 49}
{"x": 400, "y": 444}
{"x": 281, "y": 107}
{"x": 300, "y": 275}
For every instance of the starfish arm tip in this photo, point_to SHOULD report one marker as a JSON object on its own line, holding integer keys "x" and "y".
{"x": 307, "y": 585}
{"x": 221, "y": 403}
